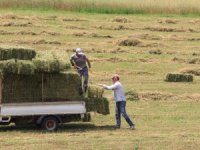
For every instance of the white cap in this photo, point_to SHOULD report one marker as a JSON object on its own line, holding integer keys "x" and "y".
{"x": 78, "y": 50}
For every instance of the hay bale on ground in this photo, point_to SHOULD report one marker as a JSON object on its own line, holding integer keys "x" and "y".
{"x": 129, "y": 42}
{"x": 173, "y": 77}
{"x": 194, "y": 71}
{"x": 132, "y": 95}
{"x": 17, "y": 53}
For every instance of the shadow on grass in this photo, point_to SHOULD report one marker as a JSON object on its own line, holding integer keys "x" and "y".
{"x": 70, "y": 127}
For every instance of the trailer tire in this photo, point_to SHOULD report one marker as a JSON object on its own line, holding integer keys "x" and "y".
{"x": 50, "y": 123}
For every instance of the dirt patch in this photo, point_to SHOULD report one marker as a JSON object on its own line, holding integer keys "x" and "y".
{"x": 155, "y": 52}
{"x": 120, "y": 19}
{"x": 168, "y": 21}
{"x": 46, "y": 42}
{"x": 194, "y": 71}
{"x": 164, "y": 29}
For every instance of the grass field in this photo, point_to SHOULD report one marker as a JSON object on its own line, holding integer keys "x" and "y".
{"x": 167, "y": 115}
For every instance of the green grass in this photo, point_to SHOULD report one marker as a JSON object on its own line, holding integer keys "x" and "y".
{"x": 170, "y": 124}
{"x": 159, "y": 125}
{"x": 109, "y": 7}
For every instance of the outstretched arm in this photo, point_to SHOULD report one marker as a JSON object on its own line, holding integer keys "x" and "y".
{"x": 111, "y": 87}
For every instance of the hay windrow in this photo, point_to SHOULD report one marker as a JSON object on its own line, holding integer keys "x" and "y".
{"x": 129, "y": 42}
{"x": 132, "y": 95}
{"x": 194, "y": 71}
{"x": 178, "y": 77}
{"x": 120, "y": 19}
{"x": 155, "y": 52}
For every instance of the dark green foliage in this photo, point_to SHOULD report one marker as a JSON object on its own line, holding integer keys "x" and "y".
{"x": 172, "y": 77}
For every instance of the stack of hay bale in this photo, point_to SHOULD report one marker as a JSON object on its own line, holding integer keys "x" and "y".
{"x": 44, "y": 77}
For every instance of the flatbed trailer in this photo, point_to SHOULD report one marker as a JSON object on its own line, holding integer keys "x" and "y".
{"x": 48, "y": 115}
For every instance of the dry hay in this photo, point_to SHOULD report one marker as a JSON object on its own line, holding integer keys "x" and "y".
{"x": 10, "y": 16}
{"x": 113, "y": 27}
{"x": 86, "y": 34}
{"x": 27, "y": 33}
{"x": 168, "y": 21}
{"x": 129, "y": 42}
{"x": 146, "y": 36}
{"x": 155, "y": 96}
{"x": 160, "y": 96}
{"x": 132, "y": 95}
{"x": 74, "y": 27}
{"x": 3, "y": 32}
{"x": 156, "y": 52}
{"x": 178, "y": 77}
{"x": 188, "y": 60}
{"x": 49, "y": 33}
{"x": 194, "y": 71}
{"x": 164, "y": 29}
{"x": 73, "y": 19}
{"x": 46, "y": 42}
{"x": 120, "y": 19}
{"x": 16, "y": 24}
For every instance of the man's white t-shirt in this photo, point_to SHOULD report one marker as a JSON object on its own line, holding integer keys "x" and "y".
{"x": 118, "y": 91}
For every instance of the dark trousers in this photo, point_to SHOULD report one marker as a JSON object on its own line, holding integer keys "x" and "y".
{"x": 121, "y": 109}
{"x": 84, "y": 73}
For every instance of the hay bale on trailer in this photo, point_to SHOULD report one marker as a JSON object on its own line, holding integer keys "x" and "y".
{"x": 46, "y": 78}
{"x": 177, "y": 77}
{"x": 17, "y": 53}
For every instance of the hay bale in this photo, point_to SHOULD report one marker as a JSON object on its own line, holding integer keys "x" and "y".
{"x": 62, "y": 87}
{"x": 17, "y": 53}
{"x": 17, "y": 67}
{"x": 173, "y": 77}
{"x": 132, "y": 95}
{"x": 129, "y": 42}
{"x": 51, "y": 62}
{"x": 99, "y": 105}
{"x": 95, "y": 91}
{"x": 21, "y": 88}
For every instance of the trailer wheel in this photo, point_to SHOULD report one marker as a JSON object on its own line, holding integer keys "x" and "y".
{"x": 50, "y": 124}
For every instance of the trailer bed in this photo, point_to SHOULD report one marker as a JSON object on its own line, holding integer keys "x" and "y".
{"x": 42, "y": 108}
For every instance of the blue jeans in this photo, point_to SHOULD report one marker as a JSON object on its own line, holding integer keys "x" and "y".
{"x": 121, "y": 109}
{"x": 84, "y": 73}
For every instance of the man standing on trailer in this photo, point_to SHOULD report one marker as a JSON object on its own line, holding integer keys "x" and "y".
{"x": 81, "y": 63}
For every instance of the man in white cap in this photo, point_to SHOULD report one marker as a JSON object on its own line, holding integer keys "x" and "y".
{"x": 80, "y": 62}
{"x": 120, "y": 100}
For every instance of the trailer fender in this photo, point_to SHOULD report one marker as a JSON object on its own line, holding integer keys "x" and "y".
{"x": 41, "y": 118}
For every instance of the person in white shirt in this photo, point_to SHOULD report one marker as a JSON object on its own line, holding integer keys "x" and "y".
{"x": 120, "y": 100}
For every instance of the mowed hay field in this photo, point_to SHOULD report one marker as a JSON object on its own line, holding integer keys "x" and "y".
{"x": 142, "y": 49}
